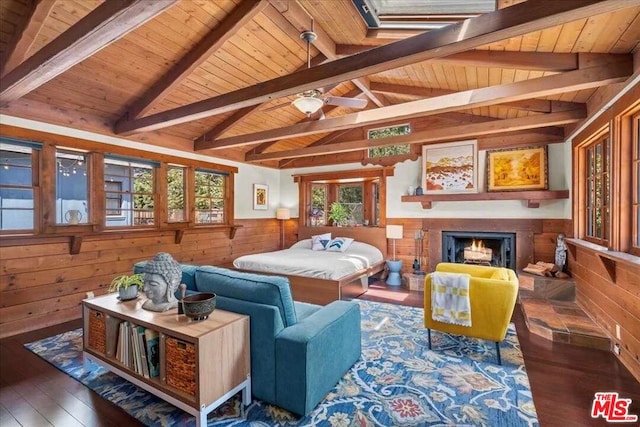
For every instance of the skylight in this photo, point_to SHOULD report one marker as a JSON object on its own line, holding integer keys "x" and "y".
{"x": 420, "y": 14}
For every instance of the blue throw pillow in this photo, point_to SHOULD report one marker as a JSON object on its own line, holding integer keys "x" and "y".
{"x": 339, "y": 244}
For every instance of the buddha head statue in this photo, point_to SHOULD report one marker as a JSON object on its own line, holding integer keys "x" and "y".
{"x": 161, "y": 279}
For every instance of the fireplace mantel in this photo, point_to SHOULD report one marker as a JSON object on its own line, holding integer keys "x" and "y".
{"x": 533, "y": 198}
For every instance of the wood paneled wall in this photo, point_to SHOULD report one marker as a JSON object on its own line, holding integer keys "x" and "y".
{"x": 42, "y": 285}
{"x": 610, "y": 302}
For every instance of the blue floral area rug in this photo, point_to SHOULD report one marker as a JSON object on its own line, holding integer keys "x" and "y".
{"x": 398, "y": 381}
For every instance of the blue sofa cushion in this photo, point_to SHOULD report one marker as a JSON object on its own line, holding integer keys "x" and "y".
{"x": 188, "y": 275}
{"x": 261, "y": 289}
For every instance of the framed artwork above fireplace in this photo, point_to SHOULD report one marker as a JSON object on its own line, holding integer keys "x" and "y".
{"x": 450, "y": 168}
{"x": 517, "y": 169}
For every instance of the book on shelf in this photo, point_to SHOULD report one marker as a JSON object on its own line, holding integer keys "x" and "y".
{"x": 140, "y": 333}
{"x": 152, "y": 339}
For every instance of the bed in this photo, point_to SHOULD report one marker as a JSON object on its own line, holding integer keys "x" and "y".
{"x": 319, "y": 277}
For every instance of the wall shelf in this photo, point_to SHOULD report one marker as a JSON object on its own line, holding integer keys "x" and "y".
{"x": 533, "y": 198}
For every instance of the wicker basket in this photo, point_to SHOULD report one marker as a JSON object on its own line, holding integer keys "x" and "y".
{"x": 97, "y": 331}
{"x": 181, "y": 365}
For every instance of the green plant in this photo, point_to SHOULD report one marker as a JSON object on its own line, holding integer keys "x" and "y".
{"x": 339, "y": 213}
{"x": 126, "y": 280}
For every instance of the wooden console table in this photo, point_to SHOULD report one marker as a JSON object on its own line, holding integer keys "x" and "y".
{"x": 215, "y": 357}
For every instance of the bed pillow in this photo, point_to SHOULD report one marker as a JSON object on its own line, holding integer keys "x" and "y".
{"x": 303, "y": 244}
{"x": 319, "y": 242}
{"x": 339, "y": 244}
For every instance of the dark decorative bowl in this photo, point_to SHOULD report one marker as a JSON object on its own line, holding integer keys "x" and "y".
{"x": 199, "y": 306}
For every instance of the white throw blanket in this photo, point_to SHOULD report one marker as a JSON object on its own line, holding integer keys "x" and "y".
{"x": 450, "y": 298}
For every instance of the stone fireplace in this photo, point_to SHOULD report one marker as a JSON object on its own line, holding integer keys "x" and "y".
{"x": 479, "y": 247}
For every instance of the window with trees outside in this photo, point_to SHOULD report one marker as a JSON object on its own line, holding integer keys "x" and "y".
{"x": 351, "y": 196}
{"x": 386, "y": 132}
{"x": 209, "y": 197}
{"x": 136, "y": 194}
{"x": 17, "y": 185}
{"x": 176, "y": 211}
{"x": 318, "y": 213}
{"x": 598, "y": 188}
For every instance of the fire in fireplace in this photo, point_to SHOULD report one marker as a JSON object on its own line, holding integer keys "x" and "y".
{"x": 477, "y": 252}
{"x": 486, "y": 248}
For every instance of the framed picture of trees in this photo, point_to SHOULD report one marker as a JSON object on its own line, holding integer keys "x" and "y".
{"x": 517, "y": 169}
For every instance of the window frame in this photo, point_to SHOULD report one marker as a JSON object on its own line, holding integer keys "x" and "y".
{"x": 225, "y": 198}
{"x": 635, "y": 184}
{"x": 130, "y": 165}
{"x": 594, "y": 180}
{"x": 35, "y": 155}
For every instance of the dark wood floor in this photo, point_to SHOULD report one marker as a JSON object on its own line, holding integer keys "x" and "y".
{"x": 563, "y": 379}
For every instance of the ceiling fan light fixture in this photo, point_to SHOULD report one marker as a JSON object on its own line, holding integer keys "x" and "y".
{"x": 308, "y": 104}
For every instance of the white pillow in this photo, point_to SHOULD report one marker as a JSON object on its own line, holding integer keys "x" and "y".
{"x": 304, "y": 244}
{"x": 339, "y": 244}
{"x": 319, "y": 242}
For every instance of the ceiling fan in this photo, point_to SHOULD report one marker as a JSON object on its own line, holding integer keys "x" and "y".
{"x": 310, "y": 101}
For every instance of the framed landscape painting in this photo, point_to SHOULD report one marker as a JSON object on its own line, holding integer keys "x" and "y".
{"x": 260, "y": 197}
{"x": 517, "y": 169}
{"x": 450, "y": 168}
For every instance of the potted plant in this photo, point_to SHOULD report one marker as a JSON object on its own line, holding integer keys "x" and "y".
{"x": 339, "y": 213}
{"x": 127, "y": 286}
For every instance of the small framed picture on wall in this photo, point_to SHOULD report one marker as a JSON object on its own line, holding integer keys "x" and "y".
{"x": 260, "y": 197}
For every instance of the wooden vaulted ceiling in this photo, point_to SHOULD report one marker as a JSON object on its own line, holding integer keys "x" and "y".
{"x": 218, "y": 76}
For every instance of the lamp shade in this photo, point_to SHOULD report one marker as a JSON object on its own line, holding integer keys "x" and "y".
{"x": 308, "y": 104}
{"x": 394, "y": 232}
{"x": 283, "y": 213}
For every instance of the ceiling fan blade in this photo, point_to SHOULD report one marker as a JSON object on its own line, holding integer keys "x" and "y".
{"x": 345, "y": 102}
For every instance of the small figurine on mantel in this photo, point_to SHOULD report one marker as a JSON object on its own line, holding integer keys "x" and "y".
{"x": 161, "y": 279}
{"x": 561, "y": 252}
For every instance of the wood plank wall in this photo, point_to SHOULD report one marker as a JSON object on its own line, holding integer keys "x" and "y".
{"x": 42, "y": 285}
{"x": 610, "y": 303}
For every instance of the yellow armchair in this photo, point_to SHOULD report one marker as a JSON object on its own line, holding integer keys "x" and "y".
{"x": 492, "y": 295}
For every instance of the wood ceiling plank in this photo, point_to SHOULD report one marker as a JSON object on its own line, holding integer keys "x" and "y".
{"x": 473, "y": 130}
{"x": 519, "y": 91}
{"x": 196, "y": 56}
{"x": 103, "y": 26}
{"x": 629, "y": 38}
{"x": 510, "y": 22}
{"x": 243, "y": 113}
{"x": 26, "y": 36}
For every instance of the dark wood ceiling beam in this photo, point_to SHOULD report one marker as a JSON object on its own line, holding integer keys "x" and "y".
{"x": 322, "y": 141}
{"x": 25, "y": 37}
{"x": 473, "y": 130}
{"x": 104, "y": 25}
{"x": 543, "y": 86}
{"x": 299, "y": 18}
{"x": 534, "y": 61}
{"x": 238, "y": 18}
{"x": 392, "y": 34}
{"x": 510, "y": 22}
{"x": 535, "y": 105}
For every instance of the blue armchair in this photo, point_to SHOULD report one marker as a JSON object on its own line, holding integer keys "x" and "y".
{"x": 299, "y": 351}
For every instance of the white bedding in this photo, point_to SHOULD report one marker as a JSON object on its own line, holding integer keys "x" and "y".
{"x": 300, "y": 260}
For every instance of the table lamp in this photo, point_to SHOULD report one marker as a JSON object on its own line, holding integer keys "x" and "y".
{"x": 394, "y": 232}
{"x": 282, "y": 214}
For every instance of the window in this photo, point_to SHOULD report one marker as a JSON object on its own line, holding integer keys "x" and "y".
{"x": 391, "y": 150}
{"x": 598, "y": 185}
{"x": 635, "y": 167}
{"x": 131, "y": 185}
{"x": 175, "y": 194}
{"x": 209, "y": 197}
{"x": 71, "y": 187}
{"x": 351, "y": 196}
{"x": 318, "y": 213}
{"x": 113, "y": 191}
{"x": 17, "y": 207}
